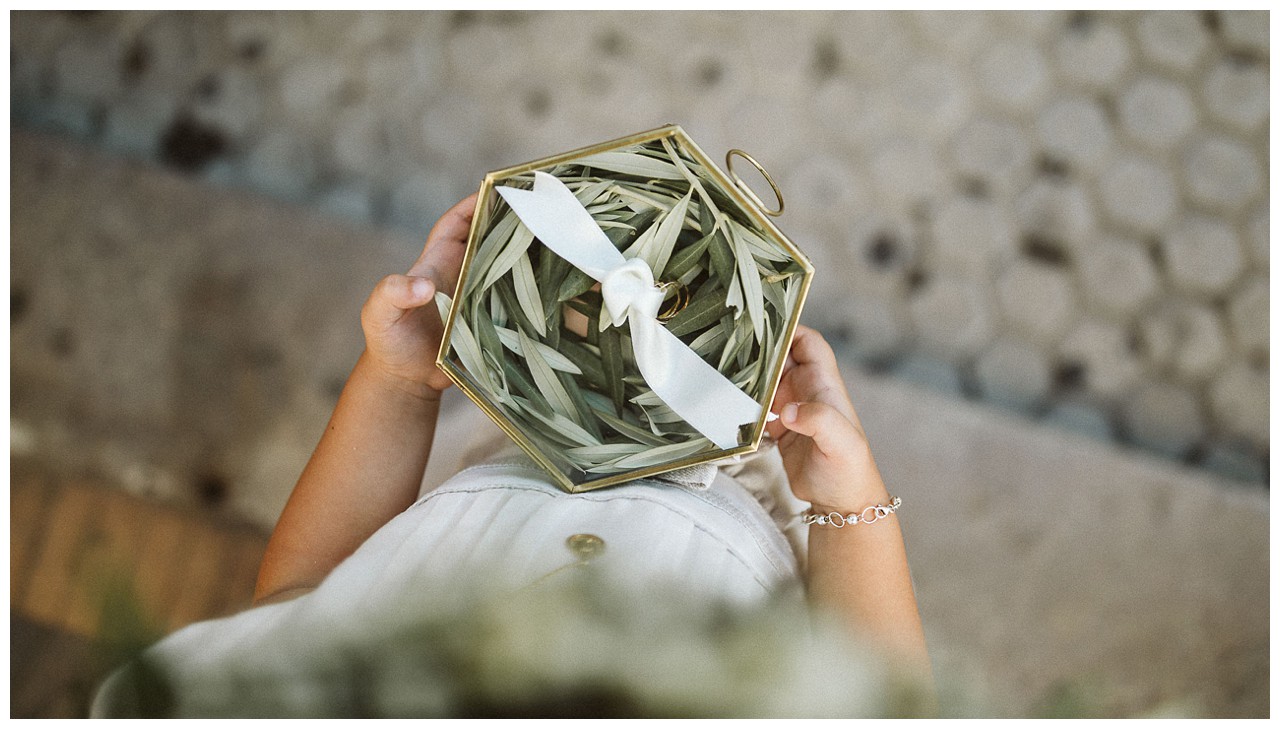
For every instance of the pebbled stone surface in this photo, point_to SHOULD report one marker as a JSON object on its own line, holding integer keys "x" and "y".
{"x": 946, "y": 145}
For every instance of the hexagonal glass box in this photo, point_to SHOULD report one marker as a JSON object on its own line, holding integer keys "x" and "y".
{"x": 529, "y": 339}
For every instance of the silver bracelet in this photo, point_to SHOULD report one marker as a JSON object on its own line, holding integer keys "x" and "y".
{"x": 837, "y": 520}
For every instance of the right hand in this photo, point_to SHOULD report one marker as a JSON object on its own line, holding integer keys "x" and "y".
{"x": 402, "y": 329}
{"x": 824, "y": 448}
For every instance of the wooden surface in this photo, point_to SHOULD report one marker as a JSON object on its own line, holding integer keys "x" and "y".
{"x": 94, "y": 571}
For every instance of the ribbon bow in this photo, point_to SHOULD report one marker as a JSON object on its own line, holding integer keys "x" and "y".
{"x": 695, "y": 390}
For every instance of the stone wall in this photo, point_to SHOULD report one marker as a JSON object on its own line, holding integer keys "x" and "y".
{"x": 1061, "y": 213}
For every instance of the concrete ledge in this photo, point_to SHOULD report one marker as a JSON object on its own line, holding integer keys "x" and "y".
{"x": 186, "y": 341}
{"x": 1065, "y": 570}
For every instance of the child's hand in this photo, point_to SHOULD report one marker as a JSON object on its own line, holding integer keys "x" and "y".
{"x": 402, "y": 329}
{"x": 824, "y": 449}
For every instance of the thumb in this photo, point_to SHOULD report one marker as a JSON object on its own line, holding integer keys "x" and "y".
{"x": 393, "y": 296}
{"x": 827, "y": 426}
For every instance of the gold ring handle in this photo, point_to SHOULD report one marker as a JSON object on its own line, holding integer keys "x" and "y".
{"x": 746, "y": 190}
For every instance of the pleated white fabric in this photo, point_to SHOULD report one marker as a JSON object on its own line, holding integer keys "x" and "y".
{"x": 498, "y": 528}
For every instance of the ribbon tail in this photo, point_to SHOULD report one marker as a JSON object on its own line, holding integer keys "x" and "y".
{"x": 554, "y": 215}
{"x": 695, "y": 390}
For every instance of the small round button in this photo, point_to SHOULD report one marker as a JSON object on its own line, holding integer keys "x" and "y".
{"x": 585, "y": 546}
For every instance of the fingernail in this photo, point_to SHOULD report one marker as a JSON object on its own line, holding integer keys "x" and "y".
{"x": 789, "y": 412}
{"x": 422, "y": 288}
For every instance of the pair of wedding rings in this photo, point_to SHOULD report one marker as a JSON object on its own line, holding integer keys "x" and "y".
{"x": 677, "y": 304}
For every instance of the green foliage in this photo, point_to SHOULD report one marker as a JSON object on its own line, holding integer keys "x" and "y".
{"x": 576, "y": 645}
{"x": 656, "y": 202}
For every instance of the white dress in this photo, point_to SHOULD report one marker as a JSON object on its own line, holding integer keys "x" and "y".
{"x": 497, "y": 528}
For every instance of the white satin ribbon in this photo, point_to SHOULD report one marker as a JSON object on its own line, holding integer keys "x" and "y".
{"x": 695, "y": 390}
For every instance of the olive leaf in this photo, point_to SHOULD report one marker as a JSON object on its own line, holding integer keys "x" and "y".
{"x": 712, "y": 340}
{"x": 686, "y": 259}
{"x": 705, "y": 308}
{"x": 586, "y": 358}
{"x": 497, "y": 311}
{"x": 721, "y": 258}
{"x": 774, "y": 296}
{"x": 631, "y": 164}
{"x": 628, "y": 430}
{"x": 563, "y": 427}
{"x": 527, "y": 294}
{"x": 758, "y": 246}
{"x": 553, "y": 358}
{"x": 521, "y": 238}
{"x": 468, "y": 349}
{"x": 443, "y": 305}
{"x": 582, "y": 412}
{"x": 611, "y": 356}
{"x": 487, "y": 336}
{"x": 749, "y": 279}
{"x": 607, "y": 451}
{"x": 546, "y": 379}
{"x": 519, "y": 379}
{"x": 507, "y": 295}
{"x": 660, "y": 246}
{"x": 661, "y": 454}
{"x": 493, "y": 244}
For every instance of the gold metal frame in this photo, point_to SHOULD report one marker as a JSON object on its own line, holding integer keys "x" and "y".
{"x": 733, "y": 188}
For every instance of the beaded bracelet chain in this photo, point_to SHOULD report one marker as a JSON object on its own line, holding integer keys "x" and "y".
{"x": 836, "y": 519}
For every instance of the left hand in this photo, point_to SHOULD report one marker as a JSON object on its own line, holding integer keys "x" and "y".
{"x": 402, "y": 328}
{"x": 823, "y": 446}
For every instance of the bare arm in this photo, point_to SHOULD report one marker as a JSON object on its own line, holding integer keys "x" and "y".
{"x": 369, "y": 463}
{"x": 366, "y": 469}
{"x": 860, "y": 571}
